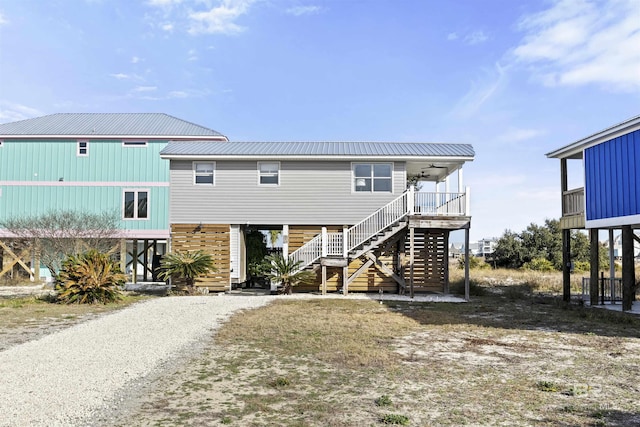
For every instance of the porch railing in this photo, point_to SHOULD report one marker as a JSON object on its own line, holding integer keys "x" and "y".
{"x": 409, "y": 203}
{"x": 573, "y": 202}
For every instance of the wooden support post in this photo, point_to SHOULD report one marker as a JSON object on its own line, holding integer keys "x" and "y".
{"x": 345, "y": 281}
{"x": 466, "y": 263}
{"x": 595, "y": 266}
{"x": 566, "y": 265}
{"x": 324, "y": 280}
{"x": 123, "y": 255}
{"x": 612, "y": 267}
{"x": 145, "y": 260}
{"x": 628, "y": 268}
{"x": 134, "y": 262}
{"x": 446, "y": 262}
{"x": 411, "y": 258}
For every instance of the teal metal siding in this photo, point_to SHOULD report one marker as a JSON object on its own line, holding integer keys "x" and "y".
{"x": 45, "y": 163}
{"x": 23, "y": 201}
{"x": 612, "y": 180}
{"x": 107, "y": 161}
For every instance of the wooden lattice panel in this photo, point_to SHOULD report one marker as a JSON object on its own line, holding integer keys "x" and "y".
{"x": 214, "y": 239}
{"x": 430, "y": 258}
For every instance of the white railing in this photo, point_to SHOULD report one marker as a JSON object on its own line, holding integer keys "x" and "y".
{"x": 573, "y": 202}
{"x": 444, "y": 204}
{"x": 308, "y": 253}
{"x": 377, "y": 221}
{"x": 410, "y": 202}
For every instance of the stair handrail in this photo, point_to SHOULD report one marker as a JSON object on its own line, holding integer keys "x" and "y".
{"x": 378, "y": 221}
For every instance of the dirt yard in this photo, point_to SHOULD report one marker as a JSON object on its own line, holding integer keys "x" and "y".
{"x": 506, "y": 358}
{"x": 496, "y": 361}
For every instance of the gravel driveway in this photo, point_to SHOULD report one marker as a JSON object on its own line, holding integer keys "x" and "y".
{"x": 69, "y": 377}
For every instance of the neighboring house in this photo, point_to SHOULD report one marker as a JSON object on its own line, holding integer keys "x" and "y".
{"x": 608, "y": 200}
{"x": 343, "y": 208}
{"x": 93, "y": 162}
{"x": 484, "y": 247}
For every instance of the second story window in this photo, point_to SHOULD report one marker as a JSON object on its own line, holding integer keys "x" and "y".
{"x": 136, "y": 204}
{"x": 269, "y": 173}
{"x": 134, "y": 143}
{"x": 372, "y": 177}
{"x": 83, "y": 148}
{"x": 203, "y": 173}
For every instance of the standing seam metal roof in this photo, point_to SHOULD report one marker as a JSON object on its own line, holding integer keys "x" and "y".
{"x": 106, "y": 124}
{"x": 208, "y": 148}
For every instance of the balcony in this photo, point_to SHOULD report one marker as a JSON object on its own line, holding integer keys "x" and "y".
{"x": 573, "y": 202}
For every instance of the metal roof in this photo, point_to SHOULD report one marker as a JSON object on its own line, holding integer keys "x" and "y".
{"x": 106, "y": 124}
{"x": 574, "y": 150}
{"x": 317, "y": 149}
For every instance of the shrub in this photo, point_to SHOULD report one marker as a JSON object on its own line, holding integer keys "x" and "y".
{"x": 395, "y": 419}
{"x": 474, "y": 263}
{"x": 383, "y": 400}
{"x": 287, "y": 272}
{"x": 539, "y": 264}
{"x": 89, "y": 278}
{"x": 186, "y": 265}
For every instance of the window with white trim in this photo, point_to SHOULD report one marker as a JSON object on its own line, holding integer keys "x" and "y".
{"x": 203, "y": 173}
{"x": 134, "y": 143}
{"x": 136, "y": 204}
{"x": 372, "y": 177}
{"x": 83, "y": 148}
{"x": 269, "y": 173}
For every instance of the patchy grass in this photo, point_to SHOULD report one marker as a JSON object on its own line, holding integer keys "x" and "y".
{"x": 26, "y": 318}
{"x": 499, "y": 360}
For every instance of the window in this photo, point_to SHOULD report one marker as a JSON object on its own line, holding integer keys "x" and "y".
{"x": 133, "y": 143}
{"x": 83, "y": 148}
{"x": 136, "y": 204}
{"x": 372, "y": 177}
{"x": 203, "y": 172}
{"x": 269, "y": 173}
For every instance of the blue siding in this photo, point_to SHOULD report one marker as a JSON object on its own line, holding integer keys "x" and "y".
{"x": 612, "y": 182}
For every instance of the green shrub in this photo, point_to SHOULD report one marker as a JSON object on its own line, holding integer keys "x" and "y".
{"x": 475, "y": 263}
{"x": 89, "y": 278}
{"x": 395, "y": 419}
{"x": 384, "y": 400}
{"x": 539, "y": 264}
{"x": 547, "y": 386}
{"x": 186, "y": 265}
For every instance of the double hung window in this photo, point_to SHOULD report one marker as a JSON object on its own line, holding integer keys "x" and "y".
{"x": 372, "y": 177}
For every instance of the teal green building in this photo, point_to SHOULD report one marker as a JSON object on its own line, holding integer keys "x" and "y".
{"x": 95, "y": 163}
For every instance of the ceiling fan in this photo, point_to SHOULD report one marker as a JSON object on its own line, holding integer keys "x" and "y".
{"x": 433, "y": 166}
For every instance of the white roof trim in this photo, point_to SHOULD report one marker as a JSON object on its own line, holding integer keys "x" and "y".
{"x": 134, "y": 137}
{"x": 578, "y": 147}
{"x": 362, "y": 157}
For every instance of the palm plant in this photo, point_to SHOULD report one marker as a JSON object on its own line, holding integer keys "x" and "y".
{"x": 186, "y": 265}
{"x": 287, "y": 272}
{"x": 89, "y": 278}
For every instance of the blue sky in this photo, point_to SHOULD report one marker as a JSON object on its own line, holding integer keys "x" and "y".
{"x": 515, "y": 78}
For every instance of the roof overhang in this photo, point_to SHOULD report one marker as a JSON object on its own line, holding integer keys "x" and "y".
{"x": 575, "y": 150}
{"x": 363, "y": 158}
{"x": 130, "y": 137}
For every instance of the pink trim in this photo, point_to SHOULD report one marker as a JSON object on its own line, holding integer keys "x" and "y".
{"x": 123, "y": 234}
{"x": 82, "y": 184}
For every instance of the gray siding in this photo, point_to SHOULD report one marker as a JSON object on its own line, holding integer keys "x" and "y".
{"x": 310, "y": 192}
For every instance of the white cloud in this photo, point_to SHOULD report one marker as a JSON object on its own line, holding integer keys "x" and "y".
{"x": 168, "y": 26}
{"x": 145, "y": 88}
{"x": 476, "y": 37}
{"x": 163, "y": 3}
{"x": 518, "y": 135}
{"x": 135, "y": 60}
{"x": 178, "y": 94}
{"x": 192, "y": 55}
{"x": 452, "y": 36}
{"x": 3, "y": 20}
{"x": 303, "y": 10}
{"x": 481, "y": 92}
{"x": 123, "y": 76}
{"x": 220, "y": 19}
{"x": 11, "y": 112}
{"x": 578, "y": 42}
